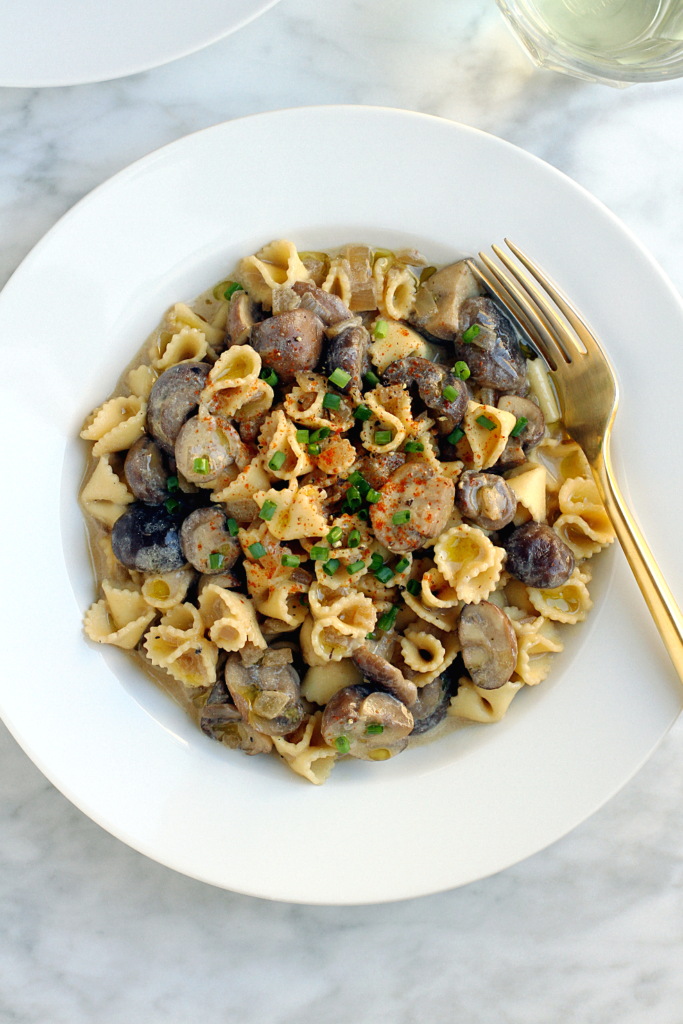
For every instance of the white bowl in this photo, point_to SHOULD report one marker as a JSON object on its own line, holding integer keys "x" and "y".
{"x": 74, "y": 314}
{"x": 69, "y": 42}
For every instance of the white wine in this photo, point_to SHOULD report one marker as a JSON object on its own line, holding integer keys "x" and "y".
{"x": 628, "y": 31}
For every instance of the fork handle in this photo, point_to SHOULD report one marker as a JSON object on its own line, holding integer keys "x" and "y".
{"x": 659, "y": 599}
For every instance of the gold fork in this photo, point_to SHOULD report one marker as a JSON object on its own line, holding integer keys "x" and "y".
{"x": 588, "y": 394}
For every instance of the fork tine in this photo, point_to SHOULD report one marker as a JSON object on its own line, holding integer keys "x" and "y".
{"x": 567, "y": 340}
{"x": 568, "y": 309}
{"x": 508, "y": 301}
{"x": 551, "y": 347}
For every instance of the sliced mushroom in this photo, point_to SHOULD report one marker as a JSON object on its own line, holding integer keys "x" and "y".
{"x": 201, "y": 451}
{"x": 218, "y": 711}
{"x": 243, "y": 313}
{"x": 489, "y": 644}
{"x": 492, "y": 354}
{"x": 225, "y": 580}
{"x": 289, "y": 343}
{"x": 485, "y": 499}
{"x": 376, "y": 469}
{"x": 523, "y": 407}
{"x": 414, "y": 506}
{"x": 328, "y": 307}
{"x": 377, "y": 671}
{"x": 349, "y": 352}
{"x": 538, "y": 556}
{"x": 513, "y": 455}
{"x": 439, "y": 300}
{"x": 173, "y": 399}
{"x": 145, "y": 472}
{"x": 431, "y": 380}
{"x": 146, "y": 538}
{"x": 372, "y": 726}
{"x": 266, "y": 694}
{"x": 431, "y": 705}
{"x": 205, "y": 533}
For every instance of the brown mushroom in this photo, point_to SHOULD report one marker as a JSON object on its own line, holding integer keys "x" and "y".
{"x": 538, "y": 556}
{"x": 173, "y": 399}
{"x": 266, "y": 694}
{"x": 218, "y": 711}
{"x": 205, "y": 534}
{"x": 145, "y": 471}
{"x": 201, "y": 451}
{"x": 377, "y": 671}
{"x": 433, "y": 382}
{"x": 489, "y": 644}
{"x": 431, "y": 705}
{"x": 485, "y": 499}
{"x": 289, "y": 343}
{"x": 534, "y": 429}
{"x": 243, "y": 313}
{"x": 488, "y": 343}
{"x": 372, "y": 726}
{"x": 349, "y": 352}
{"x": 414, "y": 506}
{"x": 376, "y": 469}
{"x": 439, "y": 300}
{"x": 328, "y": 307}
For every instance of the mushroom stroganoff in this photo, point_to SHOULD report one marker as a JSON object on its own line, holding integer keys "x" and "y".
{"x": 332, "y": 508}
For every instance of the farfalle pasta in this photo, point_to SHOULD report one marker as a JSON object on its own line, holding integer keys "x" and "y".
{"x": 322, "y": 514}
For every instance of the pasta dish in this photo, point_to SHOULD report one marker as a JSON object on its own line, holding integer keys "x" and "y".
{"x": 332, "y": 507}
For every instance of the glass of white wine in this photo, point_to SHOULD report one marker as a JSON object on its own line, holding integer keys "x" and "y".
{"x": 610, "y": 41}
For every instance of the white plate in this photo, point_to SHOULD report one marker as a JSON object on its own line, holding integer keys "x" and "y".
{"x": 69, "y": 42}
{"x": 76, "y": 311}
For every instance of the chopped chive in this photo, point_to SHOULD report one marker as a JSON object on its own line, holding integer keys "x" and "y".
{"x": 353, "y": 494}
{"x": 233, "y": 528}
{"x": 303, "y": 600}
{"x": 277, "y": 461}
{"x": 355, "y": 567}
{"x": 335, "y": 534}
{"x": 359, "y": 481}
{"x": 331, "y": 402}
{"x": 320, "y": 435}
{"x": 257, "y": 550}
{"x": 456, "y": 436}
{"x": 363, "y": 514}
{"x": 354, "y": 539}
{"x": 331, "y": 567}
{"x": 268, "y": 510}
{"x": 413, "y": 587}
{"x": 340, "y": 378}
{"x": 371, "y": 379}
{"x": 519, "y": 426}
{"x": 376, "y": 562}
{"x": 342, "y": 744}
{"x": 303, "y": 436}
{"x": 314, "y": 449}
{"x": 383, "y": 437}
{"x": 461, "y": 370}
{"x": 484, "y": 421}
{"x": 450, "y": 393}
{"x": 269, "y": 376}
{"x": 413, "y": 446}
{"x": 385, "y": 574}
{"x": 216, "y": 560}
{"x": 362, "y": 412}
{"x": 381, "y": 328}
{"x": 290, "y": 561}
{"x": 374, "y": 729}
{"x": 388, "y": 619}
{"x": 319, "y": 552}
{"x": 370, "y": 636}
{"x": 171, "y": 505}
{"x": 373, "y": 496}
{"x": 201, "y": 465}
{"x": 231, "y": 289}
{"x": 399, "y": 518}
{"x": 172, "y": 484}
{"x": 471, "y": 333}
{"x": 401, "y": 566}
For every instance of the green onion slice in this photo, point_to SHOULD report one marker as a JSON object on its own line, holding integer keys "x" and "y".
{"x": 355, "y": 567}
{"x": 401, "y": 566}
{"x": 269, "y": 376}
{"x": 385, "y": 574}
{"x": 519, "y": 426}
{"x": 374, "y": 729}
{"x": 335, "y": 534}
{"x": 331, "y": 567}
{"x": 471, "y": 333}
{"x": 314, "y": 449}
{"x": 399, "y": 518}
{"x": 277, "y": 461}
{"x": 216, "y": 560}
{"x": 461, "y": 370}
{"x": 172, "y": 484}
{"x": 171, "y": 505}
{"x": 371, "y": 379}
{"x": 268, "y": 510}
{"x": 373, "y": 496}
{"x": 319, "y": 552}
{"x": 331, "y": 402}
{"x": 201, "y": 465}
{"x": 231, "y": 289}
{"x": 320, "y": 435}
{"x": 257, "y": 550}
{"x": 362, "y": 412}
{"x": 388, "y": 619}
{"x": 383, "y": 437}
{"x": 485, "y": 422}
{"x": 291, "y": 561}
{"x": 456, "y": 436}
{"x": 376, "y": 562}
{"x": 450, "y": 393}
{"x": 413, "y": 587}
{"x": 354, "y": 539}
{"x": 303, "y": 436}
{"x": 381, "y": 328}
{"x": 342, "y": 744}
{"x": 233, "y": 528}
{"x": 413, "y": 446}
{"x": 340, "y": 378}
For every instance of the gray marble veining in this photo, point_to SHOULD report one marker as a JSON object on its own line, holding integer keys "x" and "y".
{"x": 590, "y": 930}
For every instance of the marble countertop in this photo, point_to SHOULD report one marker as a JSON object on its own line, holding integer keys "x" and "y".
{"x": 590, "y": 930}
